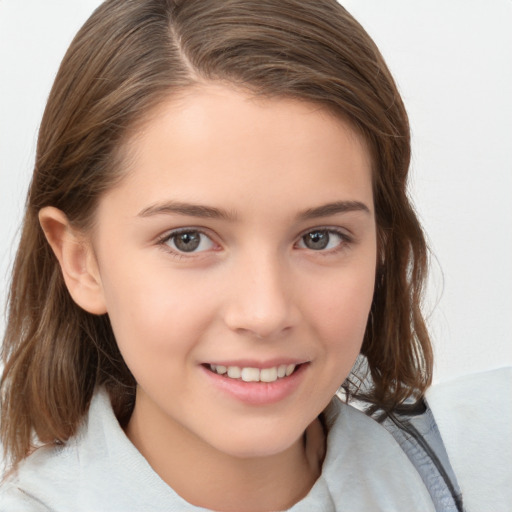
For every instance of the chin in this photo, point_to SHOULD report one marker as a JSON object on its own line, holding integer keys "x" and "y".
{"x": 258, "y": 443}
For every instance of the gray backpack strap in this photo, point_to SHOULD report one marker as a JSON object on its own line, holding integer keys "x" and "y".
{"x": 415, "y": 430}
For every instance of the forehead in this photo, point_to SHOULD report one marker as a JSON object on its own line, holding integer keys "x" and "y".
{"x": 216, "y": 143}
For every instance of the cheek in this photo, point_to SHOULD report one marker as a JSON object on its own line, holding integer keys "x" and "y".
{"x": 340, "y": 308}
{"x": 151, "y": 313}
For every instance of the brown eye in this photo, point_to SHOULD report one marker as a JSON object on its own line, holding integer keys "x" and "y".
{"x": 189, "y": 241}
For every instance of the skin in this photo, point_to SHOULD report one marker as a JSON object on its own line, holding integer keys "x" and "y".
{"x": 252, "y": 291}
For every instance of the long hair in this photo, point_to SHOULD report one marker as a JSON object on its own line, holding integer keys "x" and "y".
{"x": 129, "y": 57}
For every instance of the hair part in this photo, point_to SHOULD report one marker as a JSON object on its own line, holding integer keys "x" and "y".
{"x": 127, "y": 59}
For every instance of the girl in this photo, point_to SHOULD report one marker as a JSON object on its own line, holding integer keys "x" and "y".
{"x": 218, "y": 238}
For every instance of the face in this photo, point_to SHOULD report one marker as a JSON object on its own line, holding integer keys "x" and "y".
{"x": 237, "y": 261}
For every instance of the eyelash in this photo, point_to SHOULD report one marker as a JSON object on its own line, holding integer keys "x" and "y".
{"x": 345, "y": 241}
{"x": 164, "y": 242}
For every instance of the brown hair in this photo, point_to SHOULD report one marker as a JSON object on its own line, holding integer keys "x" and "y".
{"x": 127, "y": 58}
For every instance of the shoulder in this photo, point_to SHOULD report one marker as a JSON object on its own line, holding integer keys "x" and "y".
{"x": 365, "y": 464}
{"x": 50, "y": 478}
{"x": 368, "y": 439}
{"x": 98, "y": 469}
{"x": 32, "y": 487}
{"x": 45, "y": 480}
{"x": 13, "y": 500}
{"x": 474, "y": 416}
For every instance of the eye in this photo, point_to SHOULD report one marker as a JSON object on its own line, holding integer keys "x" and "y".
{"x": 188, "y": 241}
{"x": 322, "y": 239}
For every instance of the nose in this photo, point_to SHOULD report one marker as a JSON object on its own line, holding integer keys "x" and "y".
{"x": 261, "y": 302}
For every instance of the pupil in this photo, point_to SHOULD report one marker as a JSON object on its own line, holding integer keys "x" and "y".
{"x": 187, "y": 242}
{"x": 317, "y": 240}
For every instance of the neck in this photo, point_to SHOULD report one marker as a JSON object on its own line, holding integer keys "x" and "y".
{"x": 208, "y": 478}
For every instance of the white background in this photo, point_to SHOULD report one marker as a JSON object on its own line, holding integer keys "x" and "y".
{"x": 452, "y": 60}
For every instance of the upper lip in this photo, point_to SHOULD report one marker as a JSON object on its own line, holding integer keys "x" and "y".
{"x": 260, "y": 364}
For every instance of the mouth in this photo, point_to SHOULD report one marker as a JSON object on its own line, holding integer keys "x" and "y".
{"x": 256, "y": 384}
{"x": 251, "y": 374}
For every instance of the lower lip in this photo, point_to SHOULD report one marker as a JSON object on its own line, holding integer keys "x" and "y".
{"x": 258, "y": 393}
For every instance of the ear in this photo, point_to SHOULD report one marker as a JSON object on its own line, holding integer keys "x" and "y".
{"x": 76, "y": 258}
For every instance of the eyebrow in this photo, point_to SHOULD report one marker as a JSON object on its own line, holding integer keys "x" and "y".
{"x": 210, "y": 212}
{"x": 333, "y": 208}
{"x": 191, "y": 210}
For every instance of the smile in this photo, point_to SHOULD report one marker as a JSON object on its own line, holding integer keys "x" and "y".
{"x": 248, "y": 374}
{"x": 253, "y": 385}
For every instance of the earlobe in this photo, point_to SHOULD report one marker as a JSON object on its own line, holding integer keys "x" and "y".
{"x": 76, "y": 258}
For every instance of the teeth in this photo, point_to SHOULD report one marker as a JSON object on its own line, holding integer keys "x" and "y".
{"x": 268, "y": 374}
{"x": 254, "y": 374}
{"x": 221, "y": 370}
{"x": 250, "y": 374}
{"x": 234, "y": 372}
